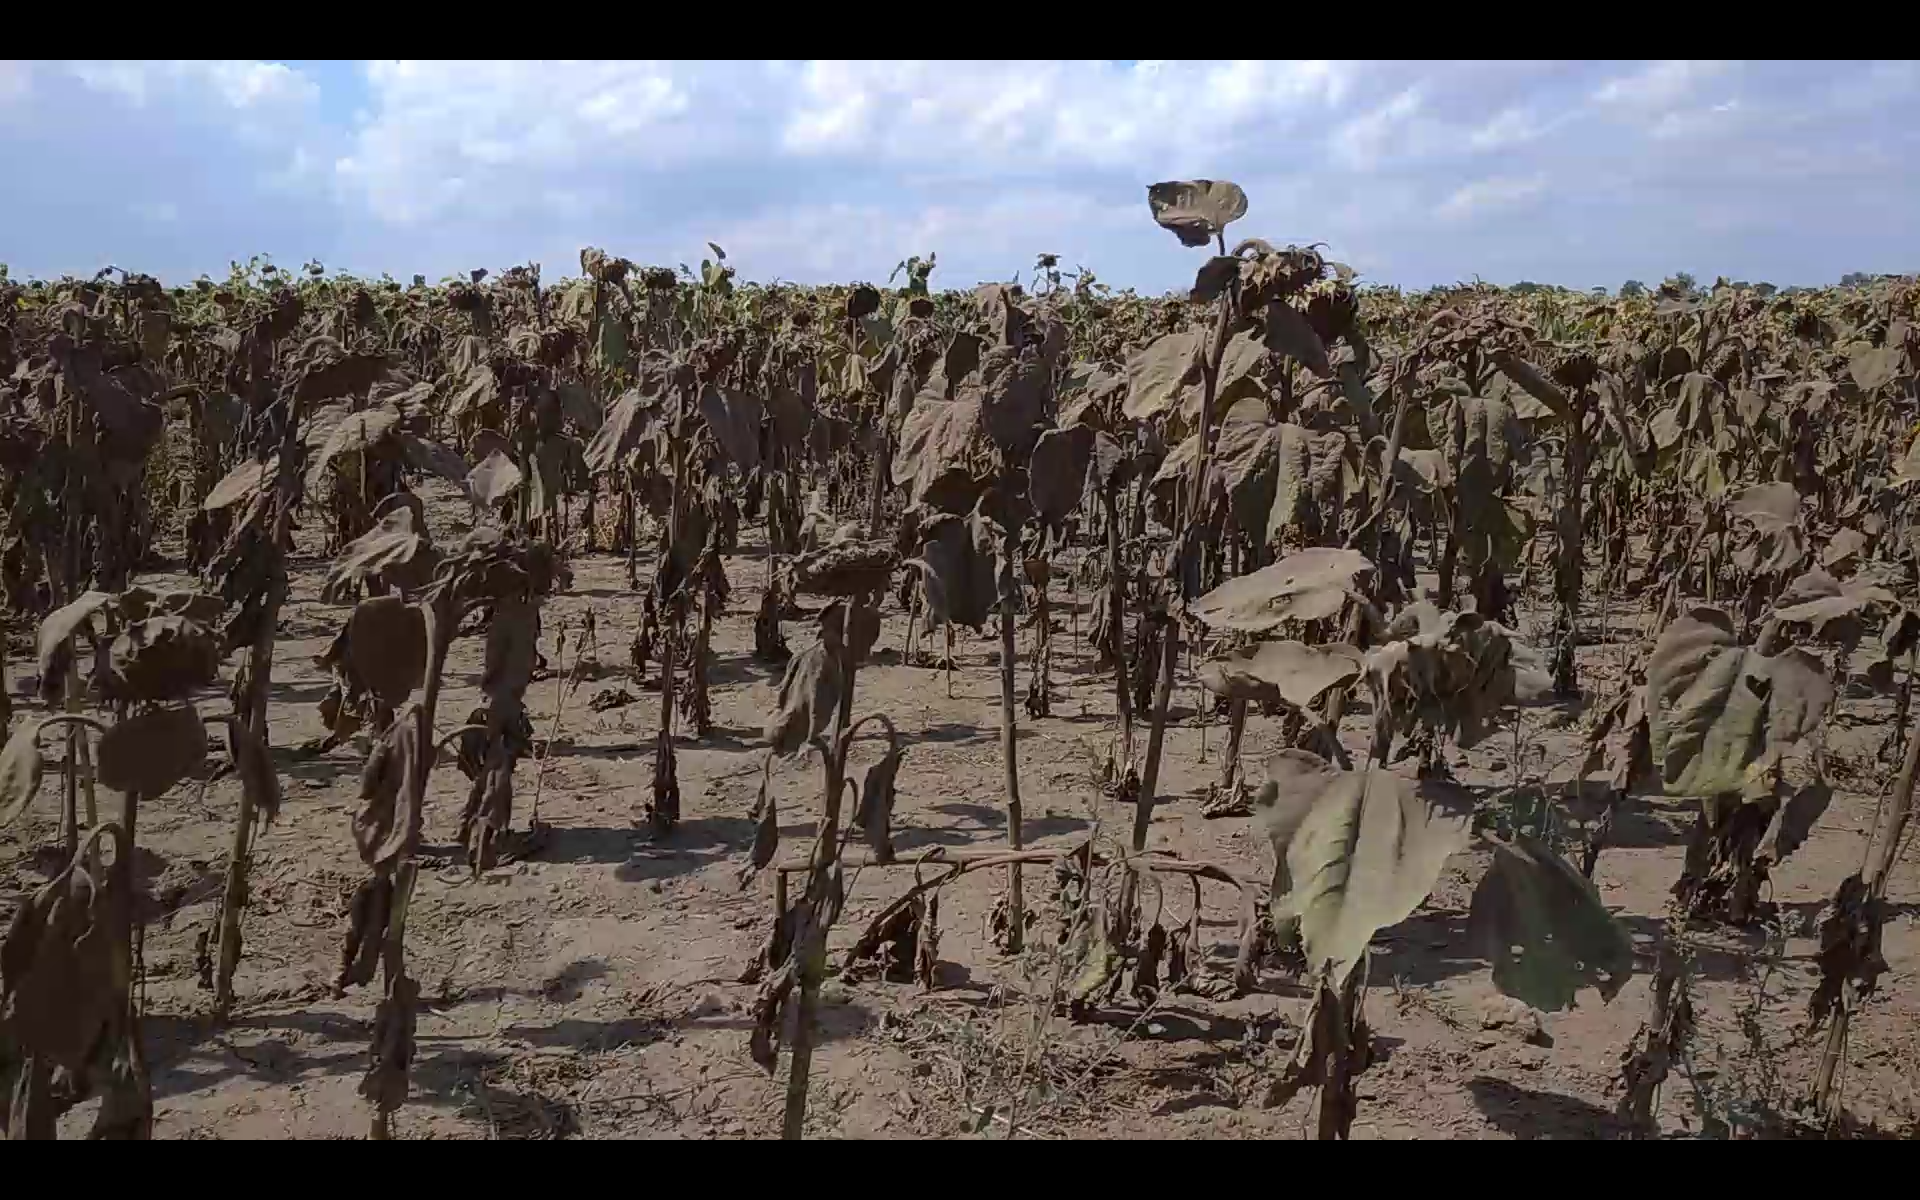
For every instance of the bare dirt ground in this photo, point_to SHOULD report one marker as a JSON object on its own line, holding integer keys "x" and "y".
{"x": 590, "y": 991}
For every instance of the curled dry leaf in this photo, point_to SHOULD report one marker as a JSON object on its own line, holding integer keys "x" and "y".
{"x": 1453, "y": 672}
{"x": 1310, "y": 585}
{"x": 809, "y": 693}
{"x": 1718, "y": 712}
{"x": 1540, "y": 922}
{"x": 1362, "y": 856}
{"x": 766, "y": 825}
{"x": 388, "y": 823}
{"x": 874, "y": 814}
{"x": 396, "y": 550}
{"x": 55, "y": 640}
{"x": 21, "y": 769}
{"x": 1196, "y": 211}
{"x": 1834, "y": 610}
{"x": 1282, "y": 671}
{"x": 161, "y": 658}
{"x": 62, "y": 990}
{"x": 846, "y": 568}
{"x": 149, "y": 752}
{"x": 253, "y": 763}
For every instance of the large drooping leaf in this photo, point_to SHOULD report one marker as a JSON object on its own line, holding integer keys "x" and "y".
{"x": 388, "y": 821}
{"x": 1835, "y": 610}
{"x": 21, "y": 769}
{"x": 1453, "y": 672}
{"x": 734, "y": 416}
{"x": 1310, "y": 585}
{"x": 629, "y": 419}
{"x": 151, "y": 751}
{"x": 241, "y": 484}
{"x": 253, "y": 763}
{"x": 397, "y": 549}
{"x": 1873, "y": 369}
{"x": 1196, "y": 210}
{"x": 809, "y": 693}
{"x": 63, "y": 988}
{"x": 355, "y": 433}
{"x": 937, "y": 437}
{"x": 424, "y": 454}
{"x": 160, "y": 658}
{"x": 1309, "y": 471}
{"x": 1718, "y": 713}
{"x": 496, "y": 478}
{"x": 1289, "y": 333}
{"x": 1014, "y": 386}
{"x": 1540, "y": 922}
{"x": 386, "y": 645}
{"x": 1364, "y": 854}
{"x": 1057, "y": 473}
{"x": 957, "y": 569}
{"x": 1159, "y": 373}
{"x": 1286, "y": 671}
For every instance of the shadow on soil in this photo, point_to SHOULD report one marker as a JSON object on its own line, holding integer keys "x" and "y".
{"x": 1528, "y": 1115}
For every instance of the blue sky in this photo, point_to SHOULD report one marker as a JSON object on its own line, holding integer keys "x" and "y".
{"x": 1419, "y": 173}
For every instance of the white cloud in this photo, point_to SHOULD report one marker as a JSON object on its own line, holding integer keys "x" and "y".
{"x": 1014, "y": 114}
{"x": 1795, "y": 171}
{"x": 236, "y": 83}
{"x": 1484, "y": 195}
{"x": 1661, "y": 85}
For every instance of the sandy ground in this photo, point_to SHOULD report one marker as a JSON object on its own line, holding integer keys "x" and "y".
{"x": 590, "y": 991}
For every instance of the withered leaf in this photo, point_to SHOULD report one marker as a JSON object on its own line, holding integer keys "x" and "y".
{"x": 1058, "y": 472}
{"x": 1309, "y": 585}
{"x": 387, "y": 646}
{"x": 809, "y": 693}
{"x": 1542, "y": 925}
{"x": 1718, "y": 712}
{"x": 1282, "y": 671}
{"x": 388, "y": 822}
{"x": 1196, "y": 211}
{"x": 161, "y": 658}
{"x": 21, "y": 769}
{"x": 493, "y": 480}
{"x": 253, "y": 763}
{"x": 149, "y": 752}
{"x": 1364, "y": 855}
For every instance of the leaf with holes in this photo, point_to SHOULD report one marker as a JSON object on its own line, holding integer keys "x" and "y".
{"x": 1196, "y": 211}
{"x": 1540, "y": 922}
{"x": 1310, "y": 585}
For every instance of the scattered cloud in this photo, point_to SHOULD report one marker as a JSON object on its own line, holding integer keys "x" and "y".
{"x": 1485, "y": 195}
{"x": 1415, "y": 172}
